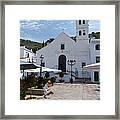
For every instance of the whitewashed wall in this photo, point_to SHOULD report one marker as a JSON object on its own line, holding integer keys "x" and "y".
{"x": 93, "y": 54}
{"x": 24, "y": 52}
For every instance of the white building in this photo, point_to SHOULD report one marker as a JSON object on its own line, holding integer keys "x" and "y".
{"x": 63, "y": 48}
{"x": 27, "y": 55}
{"x": 95, "y": 57}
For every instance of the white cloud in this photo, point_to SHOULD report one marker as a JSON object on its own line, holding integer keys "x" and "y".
{"x": 31, "y": 24}
{"x": 71, "y": 22}
{"x": 94, "y": 25}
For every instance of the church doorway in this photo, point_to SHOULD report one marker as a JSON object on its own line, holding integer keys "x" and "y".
{"x": 62, "y": 63}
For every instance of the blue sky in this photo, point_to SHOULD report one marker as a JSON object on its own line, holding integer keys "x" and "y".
{"x": 42, "y": 30}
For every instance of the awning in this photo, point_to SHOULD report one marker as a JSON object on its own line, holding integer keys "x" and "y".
{"x": 51, "y": 70}
{"x": 32, "y": 67}
{"x": 94, "y": 67}
{"x": 26, "y": 65}
{"x": 44, "y": 69}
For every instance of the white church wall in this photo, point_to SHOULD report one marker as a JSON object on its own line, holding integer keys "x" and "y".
{"x": 81, "y": 51}
{"x": 66, "y": 78}
{"x": 82, "y": 45}
{"x": 53, "y": 50}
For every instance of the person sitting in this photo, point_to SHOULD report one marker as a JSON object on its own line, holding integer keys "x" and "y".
{"x": 47, "y": 90}
{"x": 49, "y": 83}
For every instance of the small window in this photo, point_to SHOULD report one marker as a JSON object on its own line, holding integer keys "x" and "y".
{"x": 62, "y": 46}
{"x": 97, "y": 59}
{"x": 79, "y": 22}
{"x": 83, "y": 64}
{"x": 83, "y": 21}
{"x": 97, "y": 47}
{"x": 83, "y": 32}
{"x": 80, "y": 33}
{"x": 27, "y": 55}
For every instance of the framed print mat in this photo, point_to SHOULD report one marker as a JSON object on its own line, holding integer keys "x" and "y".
{"x": 60, "y": 59}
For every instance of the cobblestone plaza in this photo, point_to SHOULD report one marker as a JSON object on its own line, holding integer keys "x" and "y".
{"x": 67, "y": 91}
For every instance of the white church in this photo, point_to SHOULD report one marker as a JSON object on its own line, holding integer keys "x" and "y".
{"x": 83, "y": 50}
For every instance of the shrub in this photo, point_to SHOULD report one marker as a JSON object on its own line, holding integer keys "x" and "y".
{"x": 61, "y": 74}
{"x": 31, "y": 81}
{"x": 47, "y": 75}
{"x": 22, "y": 93}
{"x": 23, "y": 89}
{"x": 61, "y": 81}
{"x": 53, "y": 79}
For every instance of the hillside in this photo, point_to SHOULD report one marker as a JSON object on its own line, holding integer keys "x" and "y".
{"x": 34, "y": 45}
{"x": 31, "y": 45}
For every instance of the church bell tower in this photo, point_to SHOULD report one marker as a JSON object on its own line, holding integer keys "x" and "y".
{"x": 82, "y": 30}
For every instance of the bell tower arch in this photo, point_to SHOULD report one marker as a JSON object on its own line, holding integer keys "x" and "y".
{"x": 82, "y": 30}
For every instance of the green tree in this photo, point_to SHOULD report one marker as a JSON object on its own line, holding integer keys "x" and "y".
{"x": 43, "y": 44}
{"x": 96, "y": 35}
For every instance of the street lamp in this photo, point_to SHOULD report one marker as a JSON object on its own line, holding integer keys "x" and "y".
{"x": 71, "y": 63}
{"x": 32, "y": 60}
{"x": 40, "y": 81}
{"x": 41, "y": 59}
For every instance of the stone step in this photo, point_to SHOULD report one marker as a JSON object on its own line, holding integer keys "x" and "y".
{"x": 82, "y": 80}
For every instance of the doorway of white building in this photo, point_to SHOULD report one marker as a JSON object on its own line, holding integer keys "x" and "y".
{"x": 96, "y": 76}
{"x": 62, "y": 63}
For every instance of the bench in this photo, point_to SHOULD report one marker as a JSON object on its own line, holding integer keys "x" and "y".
{"x": 39, "y": 92}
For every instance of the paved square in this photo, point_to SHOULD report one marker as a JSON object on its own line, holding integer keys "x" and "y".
{"x": 67, "y": 91}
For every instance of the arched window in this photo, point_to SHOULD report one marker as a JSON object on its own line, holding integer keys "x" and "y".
{"x": 79, "y": 22}
{"x": 83, "y": 21}
{"x": 80, "y": 33}
{"x": 83, "y": 32}
{"x": 97, "y": 47}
